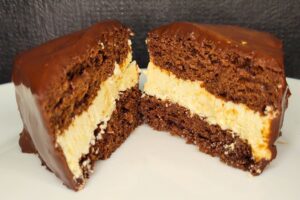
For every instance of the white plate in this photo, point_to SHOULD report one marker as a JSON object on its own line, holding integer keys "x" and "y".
{"x": 151, "y": 165}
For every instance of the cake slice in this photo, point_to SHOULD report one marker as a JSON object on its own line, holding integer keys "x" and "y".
{"x": 78, "y": 98}
{"x": 220, "y": 87}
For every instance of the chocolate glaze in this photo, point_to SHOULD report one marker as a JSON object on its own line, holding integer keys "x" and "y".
{"x": 34, "y": 72}
{"x": 263, "y": 48}
{"x": 277, "y": 122}
{"x": 26, "y": 143}
{"x": 37, "y": 68}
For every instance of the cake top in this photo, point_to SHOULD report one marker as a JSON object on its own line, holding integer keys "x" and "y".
{"x": 266, "y": 48}
{"x": 49, "y": 62}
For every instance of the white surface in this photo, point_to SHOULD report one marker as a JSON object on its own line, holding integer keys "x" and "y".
{"x": 151, "y": 165}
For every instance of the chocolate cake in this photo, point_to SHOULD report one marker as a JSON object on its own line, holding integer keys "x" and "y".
{"x": 78, "y": 98}
{"x": 220, "y": 87}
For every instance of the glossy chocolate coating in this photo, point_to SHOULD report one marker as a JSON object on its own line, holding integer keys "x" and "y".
{"x": 37, "y": 68}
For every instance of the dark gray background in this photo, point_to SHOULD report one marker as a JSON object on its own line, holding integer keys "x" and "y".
{"x": 26, "y": 23}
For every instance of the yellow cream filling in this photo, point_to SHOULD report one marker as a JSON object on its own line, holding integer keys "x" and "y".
{"x": 249, "y": 125}
{"x": 76, "y": 139}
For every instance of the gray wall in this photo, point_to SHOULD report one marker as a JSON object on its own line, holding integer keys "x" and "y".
{"x": 26, "y": 23}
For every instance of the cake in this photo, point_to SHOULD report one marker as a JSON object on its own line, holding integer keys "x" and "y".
{"x": 78, "y": 98}
{"x": 220, "y": 87}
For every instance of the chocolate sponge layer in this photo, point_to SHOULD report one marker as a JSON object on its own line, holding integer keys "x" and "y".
{"x": 210, "y": 139}
{"x": 235, "y": 64}
{"x": 66, "y": 73}
{"x": 124, "y": 120}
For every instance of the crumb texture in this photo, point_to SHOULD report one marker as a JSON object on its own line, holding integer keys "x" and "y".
{"x": 249, "y": 125}
{"x": 76, "y": 139}
{"x": 124, "y": 120}
{"x": 226, "y": 72}
{"x": 74, "y": 94}
{"x": 210, "y": 139}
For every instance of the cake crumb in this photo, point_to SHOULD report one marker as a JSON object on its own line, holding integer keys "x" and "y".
{"x": 97, "y": 151}
{"x": 130, "y": 32}
{"x": 99, "y": 136}
{"x": 244, "y": 42}
{"x": 93, "y": 141}
{"x": 268, "y": 110}
{"x": 229, "y": 146}
{"x": 86, "y": 162}
{"x": 129, "y": 42}
{"x": 101, "y": 45}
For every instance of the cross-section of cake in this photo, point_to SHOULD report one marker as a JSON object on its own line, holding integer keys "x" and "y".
{"x": 220, "y": 87}
{"x": 78, "y": 98}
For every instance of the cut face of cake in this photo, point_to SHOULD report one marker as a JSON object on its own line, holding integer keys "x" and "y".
{"x": 78, "y": 98}
{"x": 220, "y": 87}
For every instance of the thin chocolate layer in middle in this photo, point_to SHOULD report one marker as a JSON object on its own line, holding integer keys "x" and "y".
{"x": 211, "y": 139}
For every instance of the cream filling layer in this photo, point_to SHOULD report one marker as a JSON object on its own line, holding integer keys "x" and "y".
{"x": 249, "y": 125}
{"x": 77, "y": 138}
